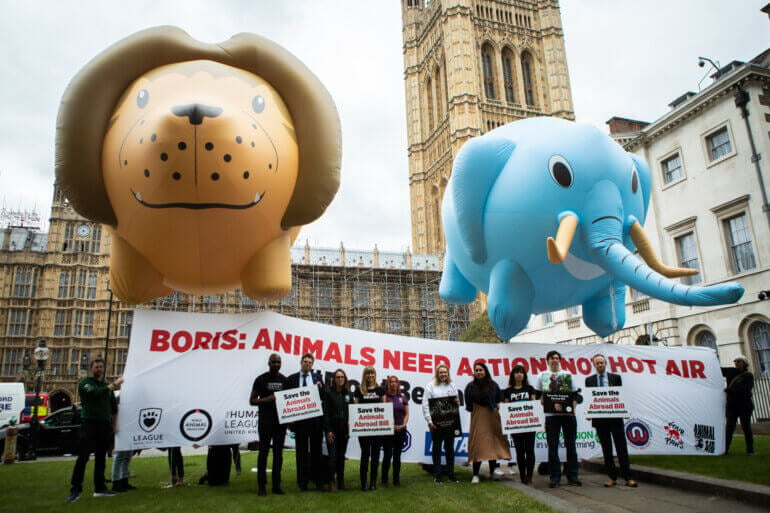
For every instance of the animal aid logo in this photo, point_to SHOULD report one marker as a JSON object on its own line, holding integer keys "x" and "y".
{"x": 704, "y": 437}
{"x": 638, "y": 433}
{"x": 149, "y": 419}
{"x": 674, "y": 435}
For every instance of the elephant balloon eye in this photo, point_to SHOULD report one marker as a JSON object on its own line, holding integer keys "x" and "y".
{"x": 634, "y": 180}
{"x": 561, "y": 172}
{"x": 258, "y": 104}
{"x": 142, "y": 98}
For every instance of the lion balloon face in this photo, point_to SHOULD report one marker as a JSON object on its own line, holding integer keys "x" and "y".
{"x": 199, "y": 162}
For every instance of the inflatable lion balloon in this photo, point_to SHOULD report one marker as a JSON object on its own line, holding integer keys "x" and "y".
{"x": 203, "y": 159}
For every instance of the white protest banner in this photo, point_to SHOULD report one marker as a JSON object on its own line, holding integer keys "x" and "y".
{"x": 188, "y": 379}
{"x": 522, "y": 417}
{"x": 370, "y": 419}
{"x": 12, "y": 402}
{"x": 606, "y": 403}
{"x": 298, "y": 404}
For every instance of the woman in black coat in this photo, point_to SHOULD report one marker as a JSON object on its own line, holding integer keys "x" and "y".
{"x": 740, "y": 384}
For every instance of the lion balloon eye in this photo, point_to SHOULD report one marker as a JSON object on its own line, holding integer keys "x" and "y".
{"x": 561, "y": 172}
{"x": 634, "y": 180}
{"x": 258, "y": 104}
{"x": 142, "y": 98}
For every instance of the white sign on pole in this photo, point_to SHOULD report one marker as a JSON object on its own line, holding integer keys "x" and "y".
{"x": 522, "y": 417}
{"x": 298, "y": 404}
{"x": 370, "y": 419}
{"x": 11, "y": 402}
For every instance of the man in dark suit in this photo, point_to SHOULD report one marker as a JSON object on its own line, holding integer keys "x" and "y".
{"x": 609, "y": 429}
{"x": 308, "y": 433}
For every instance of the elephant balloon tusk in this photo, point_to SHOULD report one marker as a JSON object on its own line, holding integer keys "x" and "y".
{"x": 651, "y": 259}
{"x": 558, "y": 249}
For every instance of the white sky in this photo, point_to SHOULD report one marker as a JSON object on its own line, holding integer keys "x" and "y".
{"x": 626, "y": 57}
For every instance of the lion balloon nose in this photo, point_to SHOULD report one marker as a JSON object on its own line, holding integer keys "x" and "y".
{"x": 195, "y": 112}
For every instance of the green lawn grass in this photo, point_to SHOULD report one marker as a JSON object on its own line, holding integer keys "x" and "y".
{"x": 43, "y": 485}
{"x": 736, "y": 465}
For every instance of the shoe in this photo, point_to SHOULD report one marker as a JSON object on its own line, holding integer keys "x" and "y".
{"x": 277, "y": 491}
{"x": 364, "y": 488}
{"x": 72, "y": 497}
{"x": 631, "y": 483}
{"x": 512, "y": 470}
{"x": 553, "y": 484}
{"x": 179, "y": 482}
{"x": 332, "y": 487}
{"x": 475, "y": 480}
{"x": 384, "y": 483}
{"x": 453, "y": 480}
{"x": 396, "y": 481}
{"x": 530, "y": 482}
{"x": 105, "y": 493}
{"x": 610, "y": 483}
{"x": 262, "y": 492}
{"x": 750, "y": 453}
{"x": 437, "y": 480}
{"x": 575, "y": 482}
{"x": 498, "y": 472}
{"x": 372, "y": 486}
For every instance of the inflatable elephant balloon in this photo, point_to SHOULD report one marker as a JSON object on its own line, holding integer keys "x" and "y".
{"x": 203, "y": 160}
{"x": 542, "y": 214}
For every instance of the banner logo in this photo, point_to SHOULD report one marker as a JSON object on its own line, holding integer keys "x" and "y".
{"x": 195, "y": 425}
{"x": 407, "y": 443}
{"x": 674, "y": 435}
{"x": 149, "y": 419}
{"x": 704, "y": 437}
{"x": 638, "y": 433}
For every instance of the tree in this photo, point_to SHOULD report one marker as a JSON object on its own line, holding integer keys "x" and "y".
{"x": 481, "y": 330}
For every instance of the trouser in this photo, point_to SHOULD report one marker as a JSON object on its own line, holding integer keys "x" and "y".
{"x": 309, "y": 436}
{"x": 95, "y": 437}
{"x": 608, "y": 430}
{"x": 732, "y": 418}
{"x": 175, "y": 462}
{"x": 370, "y": 453}
{"x": 567, "y": 425}
{"x": 270, "y": 436}
{"x": 391, "y": 451}
{"x": 337, "y": 450}
{"x": 120, "y": 461}
{"x": 448, "y": 441}
{"x": 236, "y": 449}
{"x": 525, "y": 454}
{"x": 477, "y": 467}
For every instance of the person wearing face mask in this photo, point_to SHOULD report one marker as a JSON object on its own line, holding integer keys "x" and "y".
{"x": 440, "y": 386}
{"x": 369, "y": 392}
{"x": 485, "y": 440}
{"x": 393, "y": 444}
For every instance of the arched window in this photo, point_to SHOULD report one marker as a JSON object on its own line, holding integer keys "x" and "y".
{"x": 487, "y": 60}
{"x": 759, "y": 335}
{"x": 527, "y": 70}
{"x": 706, "y": 339}
{"x": 508, "y": 77}
{"x": 440, "y": 105}
{"x": 429, "y": 98}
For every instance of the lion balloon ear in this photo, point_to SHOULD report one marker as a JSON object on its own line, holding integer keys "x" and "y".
{"x": 478, "y": 164}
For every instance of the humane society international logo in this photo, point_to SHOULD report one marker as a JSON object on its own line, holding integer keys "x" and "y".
{"x": 149, "y": 419}
{"x": 638, "y": 433}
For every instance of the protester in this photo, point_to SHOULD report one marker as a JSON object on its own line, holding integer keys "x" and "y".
{"x": 369, "y": 392}
{"x": 308, "y": 433}
{"x": 236, "y": 450}
{"x": 519, "y": 389}
{"x": 120, "y": 462}
{"x": 486, "y": 440}
{"x": 559, "y": 403}
{"x": 272, "y": 434}
{"x": 610, "y": 429}
{"x": 335, "y": 405}
{"x": 393, "y": 445}
{"x": 96, "y": 430}
{"x": 175, "y": 467}
{"x": 740, "y": 404}
{"x": 440, "y": 386}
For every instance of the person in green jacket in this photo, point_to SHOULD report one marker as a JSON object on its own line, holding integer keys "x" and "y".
{"x": 98, "y": 406}
{"x": 335, "y": 404}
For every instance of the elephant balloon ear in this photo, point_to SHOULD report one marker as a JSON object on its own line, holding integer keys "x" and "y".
{"x": 645, "y": 180}
{"x": 478, "y": 164}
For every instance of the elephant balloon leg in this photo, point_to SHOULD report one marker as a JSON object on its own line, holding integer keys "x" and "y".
{"x": 132, "y": 278}
{"x": 454, "y": 287}
{"x": 605, "y": 313}
{"x": 510, "y": 298}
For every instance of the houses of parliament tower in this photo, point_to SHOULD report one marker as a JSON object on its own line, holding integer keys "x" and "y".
{"x": 469, "y": 67}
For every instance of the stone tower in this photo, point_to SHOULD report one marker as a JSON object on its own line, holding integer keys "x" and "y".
{"x": 469, "y": 67}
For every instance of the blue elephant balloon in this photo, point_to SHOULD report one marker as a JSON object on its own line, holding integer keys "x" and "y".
{"x": 542, "y": 214}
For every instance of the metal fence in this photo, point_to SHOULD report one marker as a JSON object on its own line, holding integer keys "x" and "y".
{"x": 761, "y": 399}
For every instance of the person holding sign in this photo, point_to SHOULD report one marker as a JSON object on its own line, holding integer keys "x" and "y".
{"x": 740, "y": 405}
{"x": 369, "y": 392}
{"x": 308, "y": 433}
{"x": 440, "y": 409}
{"x": 486, "y": 440}
{"x": 519, "y": 389}
{"x": 335, "y": 404}
{"x": 271, "y": 432}
{"x": 559, "y": 402}
{"x": 610, "y": 429}
{"x": 392, "y": 445}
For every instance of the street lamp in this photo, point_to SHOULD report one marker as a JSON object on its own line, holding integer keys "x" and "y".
{"x": 41, "y": 355}
{"x": 109, "y": 323}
